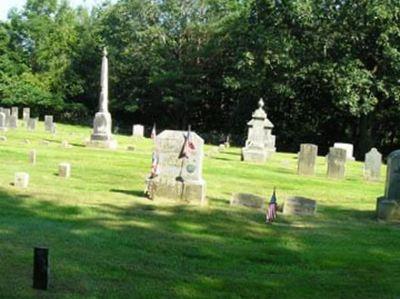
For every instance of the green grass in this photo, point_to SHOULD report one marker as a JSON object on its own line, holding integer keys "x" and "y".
{"x": 107, "y": 241}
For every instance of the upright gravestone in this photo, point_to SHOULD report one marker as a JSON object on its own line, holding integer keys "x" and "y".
{"x": 306, "y": 159}
{"x": 14, "y": 111}
{"x": 388, "y": 206}
{"x": 7, "y": 112}
{"x": 32, "y": 157}
{"x": 101, "y": 136}
{"x": 13, "y": 122}
{"x": 180, "y": 164}
{"x": 32, "y": 124}
{"x": 349, "y": 149}
{"x": 26, "y": 114}
{"x": 48, "y": 123}
{"x": 260, "y": 143}
{"x": 138, "y": 131}
{"x": 336, "y": 163}
{"x": 372, "y": 165}
{"x": 3, "y": 125}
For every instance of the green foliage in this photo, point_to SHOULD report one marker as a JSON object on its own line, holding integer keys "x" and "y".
{"x": 327, "y": 69}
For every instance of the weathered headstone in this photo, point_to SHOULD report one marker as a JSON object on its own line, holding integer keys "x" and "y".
{"x": 336, "y": 163}
{"x": 13, "y": 122}
{"x": 373, "y": 165}
{"x": 388, "y": 206}
{"x": 221, "y": 148}
{"x": 260, "y": 143}
{"x": 101, "y": 136}
{"x": 21, "y": 180}
{"x": 349, "y": 149}
{"x": 32, "y": 124}
{"x": 248, "y": 200}
{"x": 14, "y": 111}
{"x": 32, "y": 157}
{"x": 299, "y": 206}
{"x": 306, "y": 159}
{"x": 48, "y": 123}
{"x": 180, "y": 178}
{"x": 26, "y": 114}
{"x": 64, "y": 170}
{"x": 7, "y": 112}
{"x": 138, "y": 131}
{"x": 3, "y": 124}
{"x": 53, "y": 129}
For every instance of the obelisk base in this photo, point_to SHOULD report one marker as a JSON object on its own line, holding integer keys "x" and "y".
{"x": 101, "y": 137}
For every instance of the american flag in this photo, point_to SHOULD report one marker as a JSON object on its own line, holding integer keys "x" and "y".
{"x": 271, "y": 213}
{"x": 153, "y": 132}
{"x": 187, "y": 146}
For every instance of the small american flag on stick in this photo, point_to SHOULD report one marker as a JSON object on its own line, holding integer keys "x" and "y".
{"x": 187, "y": 146}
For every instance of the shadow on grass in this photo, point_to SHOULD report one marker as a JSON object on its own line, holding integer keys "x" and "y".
{"x": 137, "y": 193}
{"x": 172, "y": 250}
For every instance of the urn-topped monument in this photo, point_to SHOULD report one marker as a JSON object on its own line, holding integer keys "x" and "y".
{"x": 260, "y": 143}
{"x": 101, "y": 136}
{"x": 388, "y": 206}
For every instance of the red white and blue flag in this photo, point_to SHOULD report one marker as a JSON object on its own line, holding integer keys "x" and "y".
{"x": 187, "y": 146}
{"x": 271, "y": 213}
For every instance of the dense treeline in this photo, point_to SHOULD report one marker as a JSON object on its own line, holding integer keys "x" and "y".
{"x": 328, "y": 70}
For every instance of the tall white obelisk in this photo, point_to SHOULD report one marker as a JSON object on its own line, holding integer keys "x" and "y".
{"x": 101, "y": 136}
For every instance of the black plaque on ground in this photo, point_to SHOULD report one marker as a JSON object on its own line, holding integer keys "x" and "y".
{"x": 41, "y": 268}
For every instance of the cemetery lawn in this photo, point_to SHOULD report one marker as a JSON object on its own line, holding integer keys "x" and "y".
{"x": 107, "y": 241}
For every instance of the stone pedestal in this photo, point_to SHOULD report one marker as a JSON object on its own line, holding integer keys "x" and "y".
{"x": 179, "y": 178}
{"x": 260, "y": 143}
{"x": 254, "y": 154}
{"x": 64, "y": 170}
{"x": 21, "y": 180}
{"x": 101, "y": 136}
{"x": 388, "y": 206}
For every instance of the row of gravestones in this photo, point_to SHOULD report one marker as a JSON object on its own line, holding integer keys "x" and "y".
{"x": 337, "y": 157}
{"x": 9, "y": 120}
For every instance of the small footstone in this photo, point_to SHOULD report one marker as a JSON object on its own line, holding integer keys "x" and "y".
{"x": 45, "y": 142}
{"x": 221, "y": 147}
{"x": 3, "y": 138}
{"x": 64, "y": 170}
{"x": 21, "y": 180}
{"x": 300, "y": 206}
{"x": 248, "y": 200}
{"x": 130, "y": 148}
{"x": 65, "y": 144}
{"x": 27, "y": 141}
